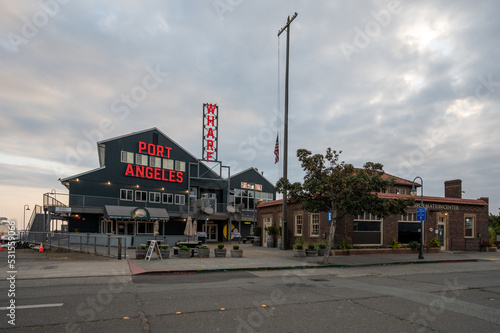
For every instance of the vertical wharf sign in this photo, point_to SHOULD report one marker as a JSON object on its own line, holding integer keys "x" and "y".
{"x": 210, "y": 132}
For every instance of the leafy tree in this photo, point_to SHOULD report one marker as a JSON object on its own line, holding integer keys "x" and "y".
{"x": 333, "y": 185}
{"x": 493, "y": 227}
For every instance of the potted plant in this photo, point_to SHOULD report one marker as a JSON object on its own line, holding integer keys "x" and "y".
{"x": 298, "y": 248}
{"x": 271, "y": 231}
{"x": 321, "y": 248}
{"x": 395, "y": 244}
{"x": 310, "y": 251}
{"x": 257, "y": 232}
{"x": 164, "y": 251}
{"x": 236, "y": 252}
{"x": 434, "y": 242}
{"x": 184, "y": 252}
{"x": 414, "y": 245}
{"x": 220, "y": 251}
{"x": 141, "y": 251}
{"x": 489, "y": 246}
{"x": 204, "y": 252}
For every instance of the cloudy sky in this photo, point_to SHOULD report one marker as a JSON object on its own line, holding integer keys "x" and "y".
{"x": 414, "y": 85}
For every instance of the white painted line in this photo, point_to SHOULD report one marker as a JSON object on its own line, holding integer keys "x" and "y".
{"x": 34, "y": 306}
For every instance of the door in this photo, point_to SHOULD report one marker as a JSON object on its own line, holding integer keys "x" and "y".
{"x": 268, "y": 221}
{"x": 211, "y": 233}
{"x": 442, "y": 231}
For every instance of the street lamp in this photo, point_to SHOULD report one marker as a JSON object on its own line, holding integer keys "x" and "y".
{"x": 414, "y": 192}
{"x": 26, "y": 207}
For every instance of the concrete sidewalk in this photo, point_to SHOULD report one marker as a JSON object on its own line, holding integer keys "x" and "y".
{"x": 34, "y": 265}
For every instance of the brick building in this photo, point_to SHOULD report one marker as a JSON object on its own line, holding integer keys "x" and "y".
{"x": 458, "y": 224}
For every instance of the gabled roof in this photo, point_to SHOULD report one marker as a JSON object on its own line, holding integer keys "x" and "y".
{"x": 399, "y": 180}
{"x": 66, "y": 179}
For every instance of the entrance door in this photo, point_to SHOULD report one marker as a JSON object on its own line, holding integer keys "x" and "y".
{"x": 268, "y": 221}
{"x": 212, "y": 233}
{"x": 442, "y": 231}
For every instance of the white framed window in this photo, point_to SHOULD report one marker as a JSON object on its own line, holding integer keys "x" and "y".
{"x": 470, "y": 222}
{"x": 155, "y": 162}
{"x": 127, "y": 195}
{"x": 155, "y": 197}
{"x": 167, "y": 198}
{"x": 127, "y": 157}
{"x": 141, "y": 159}
{"x": 180, "y": 166}
{"x": 168, "y": 164}
{"x": 409, "y": 217}
{"x": 314, "y": 224}
{"x": 141, "y": 196}
{"x": 400, "y": 190}
{"x": 298, "y": 225}
{"x": 180, "y": 199}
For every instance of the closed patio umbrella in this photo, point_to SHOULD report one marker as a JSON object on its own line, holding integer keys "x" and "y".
{"x": 156, "y": 231}
{"x": 195, "y": 227}
{"x": 188, "y": 231}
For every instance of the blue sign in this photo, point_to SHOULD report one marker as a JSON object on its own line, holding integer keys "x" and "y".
{"x": 421, "y": 214}
{"x": 330, "y": 216}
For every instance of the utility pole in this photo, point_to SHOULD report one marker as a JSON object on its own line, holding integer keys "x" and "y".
{"x": 284, "y": 227}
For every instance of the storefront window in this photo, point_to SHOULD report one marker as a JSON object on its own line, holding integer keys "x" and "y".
{"x": 469, "y": 226}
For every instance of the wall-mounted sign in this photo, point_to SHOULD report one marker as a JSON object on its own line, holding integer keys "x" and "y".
{"x": 154, "y": 173}
{"x": 140, "y": 213}
{"x": 251, "y": 186}
{"x": 210, "y": 132}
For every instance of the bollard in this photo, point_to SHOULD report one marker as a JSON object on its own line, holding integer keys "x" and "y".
{"x": 119, "y": 248}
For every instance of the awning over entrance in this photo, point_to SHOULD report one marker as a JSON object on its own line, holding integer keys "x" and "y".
{"x": 135, "y": 213}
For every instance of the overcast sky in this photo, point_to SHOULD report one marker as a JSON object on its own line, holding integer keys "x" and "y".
{"x": 414, "y": 85}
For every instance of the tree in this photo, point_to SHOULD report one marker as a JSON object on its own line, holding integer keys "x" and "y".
{"x": 493, "y": 227}
{"x": 331, "y": 185}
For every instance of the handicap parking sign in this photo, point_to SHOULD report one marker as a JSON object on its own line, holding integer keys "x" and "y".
{"x": 421, "y": 214}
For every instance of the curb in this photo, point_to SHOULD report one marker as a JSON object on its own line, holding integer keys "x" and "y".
{"x": 135, "y": 270}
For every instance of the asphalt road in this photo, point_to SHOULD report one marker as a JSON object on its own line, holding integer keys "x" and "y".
{"x": 452, "y": 297}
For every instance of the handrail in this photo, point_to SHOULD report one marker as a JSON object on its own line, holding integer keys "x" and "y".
{"x": 37, "y": 210}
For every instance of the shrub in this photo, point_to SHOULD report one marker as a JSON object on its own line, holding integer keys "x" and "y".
{"x": 184, "y": 248}
{"x": 487, "y": 243}
{"x": 342, "y": 245}
{"x": 321, "y": 245}
{"x": 299, "y": 246}
{"x": 310, "y": 246}
{"x": 413, "y": 245}
{"x": 236, "y": 247}
{"x": 349, "y": 246}
{"x": 204, "y": 247}
{"x": 143, "y": 247}
{"x": 434, "y": 242}
{"x": 272, "y": 230}
{"x": 163, "y": 247}
{"x": 257, "y": 231}
{"x": 395, "y": 244}
{"x": 220, "y": 246}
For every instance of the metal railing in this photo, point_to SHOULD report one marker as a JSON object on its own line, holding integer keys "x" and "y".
{"x": 105, "y": 245}
{"x": 37, "y": 210}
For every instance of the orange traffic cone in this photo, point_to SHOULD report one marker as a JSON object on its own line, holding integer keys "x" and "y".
{"x": 41, "y": 247}
{"x": 1, "y": 249}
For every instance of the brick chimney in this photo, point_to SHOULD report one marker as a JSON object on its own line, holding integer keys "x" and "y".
{"x": 453, "y": 189}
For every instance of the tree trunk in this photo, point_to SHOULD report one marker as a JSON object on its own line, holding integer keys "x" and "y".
{"x": 331, "y": 235}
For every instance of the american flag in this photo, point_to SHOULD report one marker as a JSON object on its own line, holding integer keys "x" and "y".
{"x": 276, "y": 151}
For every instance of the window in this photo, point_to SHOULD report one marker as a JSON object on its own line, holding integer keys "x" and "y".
{"x": 180, "y": 166}
{"x": 126, "y": 195}
{"x": 127, "y": 157}
{"x": 154, "y": 197}
{"x": 145, "y": 227}
{"x": 168, "y": 198}
{"x": 469, "y": 226}
{"x": 168, "y": 164}
{"x": 315, "y": 224}
{"x": 141, "y": 195}
{"x": 141, "y": 159}
{"x": 408, "y": 228}
{"x": 298, "y": 225}
{"x": 180, "y": 199}
{"x": 367, "y": 229}
{"x": 400, "y": 191}
{"x": 155, "y": 162}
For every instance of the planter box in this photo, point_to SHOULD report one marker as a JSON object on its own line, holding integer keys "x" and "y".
{"x": 220, "y": 253}
{"x": 321, "y": 252}
{"x": 236, "y": 253}
{"x": 299, "y": 253}
{"x": 256, "y": 241}
{"x": 311, "y": 252}
{"x": 381, "y": 251}
{"x": 491, "y": 249}
{"x": 270, "y": 241}
{"x": 140, "y": 254}
{"x": 184, "y": 253}
{"x": 203, "y": 253}
{"x": 165, "y": 254}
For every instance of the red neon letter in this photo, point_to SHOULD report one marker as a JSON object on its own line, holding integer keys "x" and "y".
{"x": 211, "y": 108}
{"x": 142, "y": 146}
{"x": 210, "y": 145}
{"x": 157, "y": 174}
{"x": 149, "y": 172}
{"x": 163, "y": 175}
{"x": 168, "y": 149}
{"x": 139, "y": 171}
{"x": 209, "y": 155}
{"x": 210, "y": 120}
{"x": 180, "y": 178}
{"x": 129, "y": 171}
{"x": 159, "y": 151}
{"x": 210, "y": 133}
{"x": 171, "y": 176}
{"x": 151, "y": 149}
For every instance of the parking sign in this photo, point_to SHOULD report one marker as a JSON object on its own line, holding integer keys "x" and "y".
{"x": 421, "y": 214}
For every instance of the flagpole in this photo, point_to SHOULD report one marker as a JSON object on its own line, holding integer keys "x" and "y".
{"x": 284, "y": 224}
